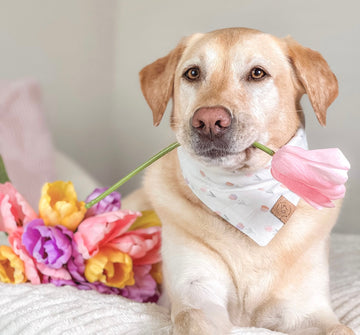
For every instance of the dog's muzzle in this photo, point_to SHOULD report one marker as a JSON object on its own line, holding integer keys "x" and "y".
{"x": 211, "y": 128}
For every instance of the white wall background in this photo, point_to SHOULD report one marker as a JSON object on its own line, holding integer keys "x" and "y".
{"x": 87, "y": 54}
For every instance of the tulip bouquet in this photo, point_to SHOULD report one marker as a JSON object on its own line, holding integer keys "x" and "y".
{"x": 96, "y": 245}
{"x": 104, "y": 248}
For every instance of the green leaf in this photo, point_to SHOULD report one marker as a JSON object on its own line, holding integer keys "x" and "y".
{"x": 3, "y": 174}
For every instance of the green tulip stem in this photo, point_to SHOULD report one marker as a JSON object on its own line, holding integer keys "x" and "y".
{"x": 149, "y": 162}
{"x": 132, "y": 174}
{"x": 263, "y": 148}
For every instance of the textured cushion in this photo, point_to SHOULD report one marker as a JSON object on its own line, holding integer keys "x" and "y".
{"x": 46, "y": 309}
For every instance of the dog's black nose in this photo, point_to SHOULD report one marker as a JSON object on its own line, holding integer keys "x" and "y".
{"x": 211, "y": 121}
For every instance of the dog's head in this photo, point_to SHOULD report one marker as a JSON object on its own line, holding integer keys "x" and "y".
{"x": 232, "y": 87}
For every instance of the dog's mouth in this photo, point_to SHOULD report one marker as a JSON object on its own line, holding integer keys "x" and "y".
{"x": 213, "y": 151}
{"x": 225, "y": 156}
{"x": 216, "y": 153}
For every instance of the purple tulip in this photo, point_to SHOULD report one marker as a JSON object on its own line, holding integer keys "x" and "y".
{"x": 110, "y": 203}
{"x": 51, "y": 246}
{"x": 84, "y": 285}
{"x": 76, "y": 264}
{"x": 145, "y": 287}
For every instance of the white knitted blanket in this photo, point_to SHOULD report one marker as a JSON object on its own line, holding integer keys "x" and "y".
{"x": 46, "y": 309}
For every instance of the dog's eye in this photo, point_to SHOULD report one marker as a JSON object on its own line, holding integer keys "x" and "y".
{"x": 192, "y": 74}
{"x": 257, "y": 73}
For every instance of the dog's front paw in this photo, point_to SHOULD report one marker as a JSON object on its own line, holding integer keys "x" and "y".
{"x": 192, "y": 322}
{"x": 340, "y": 330}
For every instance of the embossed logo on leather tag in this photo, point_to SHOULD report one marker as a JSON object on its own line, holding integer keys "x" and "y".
{"x": 283, "y": 209}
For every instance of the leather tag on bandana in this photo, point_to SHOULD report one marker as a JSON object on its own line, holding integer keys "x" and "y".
{"x": 283, "y": 209}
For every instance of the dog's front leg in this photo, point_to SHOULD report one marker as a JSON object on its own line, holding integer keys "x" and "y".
{"x": 198, "y": 285}
{"x": 193, "y": 321}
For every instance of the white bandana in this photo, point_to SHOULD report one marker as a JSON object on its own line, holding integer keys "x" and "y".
{"x": 256, "y": 204}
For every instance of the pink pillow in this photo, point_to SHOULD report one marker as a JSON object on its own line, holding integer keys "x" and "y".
{"x": 25, "y": 141}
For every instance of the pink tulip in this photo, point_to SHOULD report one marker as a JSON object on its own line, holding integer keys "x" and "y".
{"x": 112, "y": 230}
{"x": 30, "y": 263}
{"x": 97, "y": 231}
{"x": 14, "y": 209}
{"x": 317, "y": 176}
{"x": 142, "y": 245}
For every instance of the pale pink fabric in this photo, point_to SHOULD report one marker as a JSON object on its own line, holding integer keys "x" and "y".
{"x": 25, "y": 141}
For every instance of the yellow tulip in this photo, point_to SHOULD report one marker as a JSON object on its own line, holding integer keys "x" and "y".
{"x": 12, "y": 268}
{"x": 156, "y": 272}
{"x": 59, "y": 205}
{"x": 147, "y": 219}
{"x": 111, "y": 267}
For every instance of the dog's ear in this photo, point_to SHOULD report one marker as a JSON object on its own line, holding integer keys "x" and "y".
{"x": 157, "y": 81}
{"x": 315, "y": 75}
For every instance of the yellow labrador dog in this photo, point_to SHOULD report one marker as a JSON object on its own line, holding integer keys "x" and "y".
{"x": 229, "y": 88}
